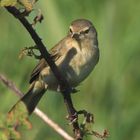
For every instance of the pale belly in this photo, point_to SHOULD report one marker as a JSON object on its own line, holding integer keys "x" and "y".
{"x": 79, "y": 68}
{"x": 75, "y": 69}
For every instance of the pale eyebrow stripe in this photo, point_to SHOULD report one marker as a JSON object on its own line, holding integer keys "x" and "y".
{"x": 70, "y": 27}
{"x": 84, "y": 29}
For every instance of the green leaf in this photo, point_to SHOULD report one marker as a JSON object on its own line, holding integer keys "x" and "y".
{"x": 8, "y": 3}
{"x": 19, "y": 116}
{"x": 3, "y": 136}
{"x": 27, "y": 4}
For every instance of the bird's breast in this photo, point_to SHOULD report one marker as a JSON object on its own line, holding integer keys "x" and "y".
{"x": 75, "y": 65}
{"x": 81, "y": 64}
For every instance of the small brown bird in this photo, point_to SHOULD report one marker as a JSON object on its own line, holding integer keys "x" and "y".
{"x": 75, "y": 55}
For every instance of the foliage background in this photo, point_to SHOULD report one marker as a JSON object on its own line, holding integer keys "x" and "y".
{"x": 112, "y": 91}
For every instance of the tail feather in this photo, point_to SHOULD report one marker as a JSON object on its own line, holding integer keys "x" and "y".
{"x": 30, "y": 99}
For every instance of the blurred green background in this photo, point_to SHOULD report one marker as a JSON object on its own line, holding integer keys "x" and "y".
{"x": 111, "y": 92}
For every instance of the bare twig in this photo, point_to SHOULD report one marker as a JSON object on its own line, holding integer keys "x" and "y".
{"x": 64, "y": 85}
{"x": 37, "y": 111}
{"x": 57, "y": 128}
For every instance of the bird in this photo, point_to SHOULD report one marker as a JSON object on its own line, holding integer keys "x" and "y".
{"x": 75, "y": 56}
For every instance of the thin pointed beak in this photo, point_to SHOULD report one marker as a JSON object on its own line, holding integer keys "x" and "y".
{"x": 75, "y": 36}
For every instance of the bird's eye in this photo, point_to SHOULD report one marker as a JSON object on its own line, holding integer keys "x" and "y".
{"x": 70, "y": 30}
{"x": 86, "y": 31}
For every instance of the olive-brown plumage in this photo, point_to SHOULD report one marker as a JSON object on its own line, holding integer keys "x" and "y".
{"x": 75, "y": 55}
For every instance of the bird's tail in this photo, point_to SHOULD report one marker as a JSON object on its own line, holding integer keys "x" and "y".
{"x": 31, "y": 99}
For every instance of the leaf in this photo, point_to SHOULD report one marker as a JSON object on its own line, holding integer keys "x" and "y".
{"x": 27, "y": 4}
{"x": 39, "y": 17}
{"x": 6, "y": 132}
{"x": 3, "y": 136}
{"x": 23, "y": 53}
{"x": 18, "y": 116}
{"x": 8, "y": 3}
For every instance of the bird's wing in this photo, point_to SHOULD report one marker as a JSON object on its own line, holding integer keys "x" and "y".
{"x": 34, "y": 75}
{"x": 56, "y": 52}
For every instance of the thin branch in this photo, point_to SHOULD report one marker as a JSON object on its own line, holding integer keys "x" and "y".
{"x": 57, "y": 128}
{"x": 64, "y": 85}
{"x": 37, "y": 111}
{"x": 10, "y": 85}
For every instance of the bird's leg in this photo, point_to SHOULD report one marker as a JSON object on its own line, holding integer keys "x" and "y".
{"x": 73, "y": 118}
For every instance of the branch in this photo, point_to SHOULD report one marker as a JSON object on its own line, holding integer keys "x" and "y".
{"x": 64, "y": 85}
{"x": 37, "y": 111}
{"x": 55, "y": 126}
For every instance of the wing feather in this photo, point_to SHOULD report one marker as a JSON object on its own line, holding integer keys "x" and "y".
{"x": 55, "y": 53}
{"x": 34, "y": 75}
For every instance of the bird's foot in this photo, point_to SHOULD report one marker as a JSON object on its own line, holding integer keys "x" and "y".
{"x": 73, "y": 118}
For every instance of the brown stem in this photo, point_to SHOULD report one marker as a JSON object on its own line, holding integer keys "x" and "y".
{"x": 37, "y": 111}
{"x": 62, "y": 81}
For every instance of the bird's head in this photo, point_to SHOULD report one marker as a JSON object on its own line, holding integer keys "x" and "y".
{"x": 81, "y": 29}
